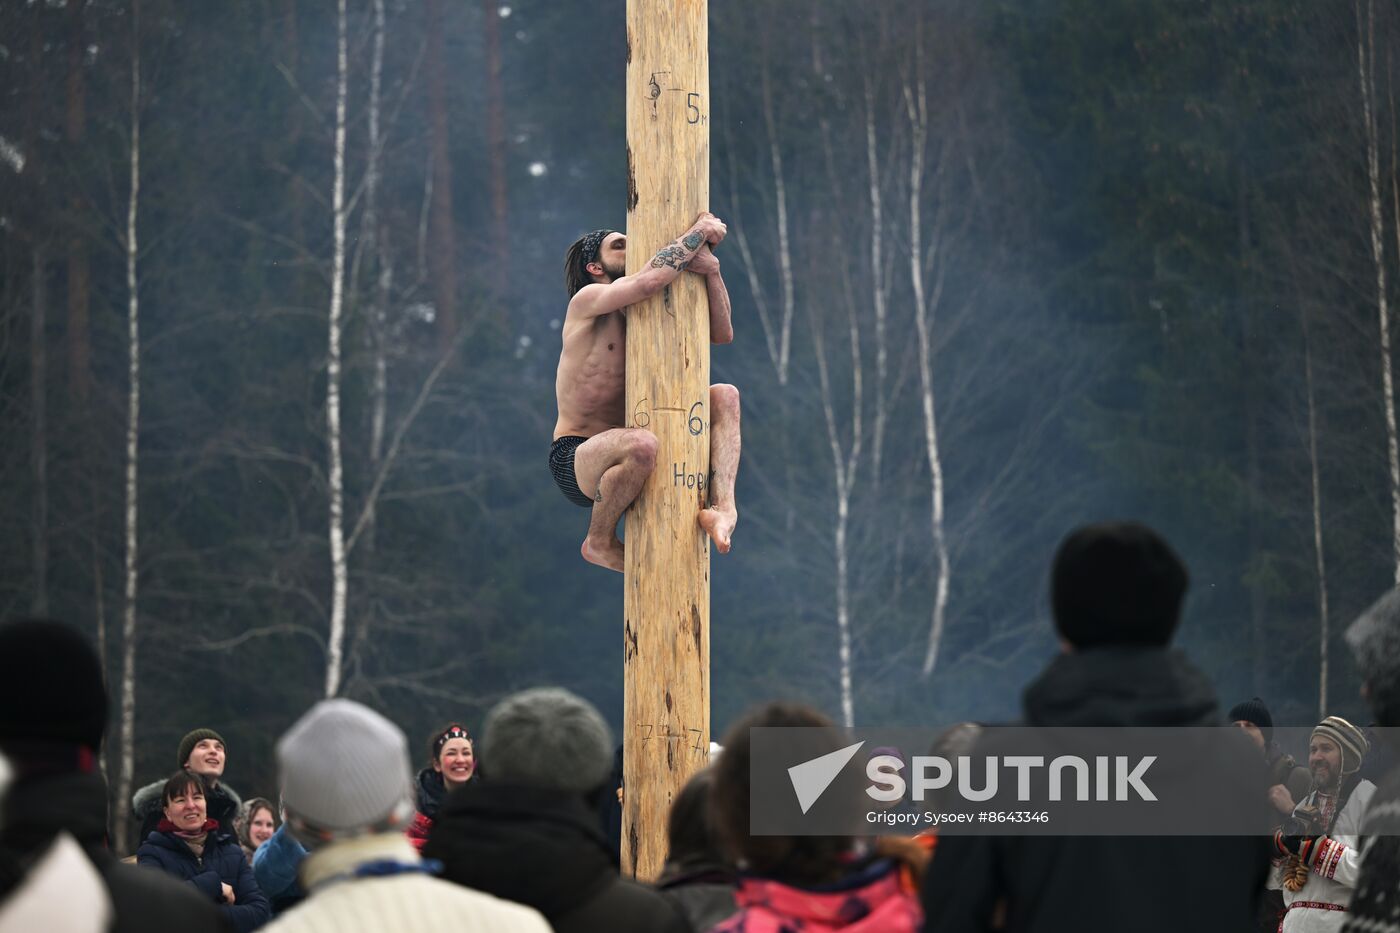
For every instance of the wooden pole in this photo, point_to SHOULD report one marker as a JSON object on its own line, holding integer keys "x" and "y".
{"x": 666, "y": 628}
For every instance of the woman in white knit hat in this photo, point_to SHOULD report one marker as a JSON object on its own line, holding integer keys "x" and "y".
{"x": 1318, "y": 861}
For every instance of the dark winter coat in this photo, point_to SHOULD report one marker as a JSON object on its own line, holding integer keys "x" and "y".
{"x": 1375, "y": 904}
{"x": 430, "y": 791}
{"x": 704, "y": 894}
{"x": 1093, "y": 883}
{"x": 222, "y": 863}
{"x": 143, "y": 902}
{"x": 221, "y": 803}
{"x": 543, "y": 850}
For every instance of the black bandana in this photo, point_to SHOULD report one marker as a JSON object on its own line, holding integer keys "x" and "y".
{"x": 591, "y": 244}
{"x": 454, "y": 731}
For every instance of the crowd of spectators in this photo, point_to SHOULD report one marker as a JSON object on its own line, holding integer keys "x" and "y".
{"x": 503, "y": 832}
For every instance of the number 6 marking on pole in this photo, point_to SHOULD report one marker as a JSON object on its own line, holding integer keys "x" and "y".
{"x": 641, "y": 418}
{"x": 696, "y": 423}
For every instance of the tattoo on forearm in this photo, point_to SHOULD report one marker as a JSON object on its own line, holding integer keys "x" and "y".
{"x": 672, "y": 256}
{"x": 693, "y": 239}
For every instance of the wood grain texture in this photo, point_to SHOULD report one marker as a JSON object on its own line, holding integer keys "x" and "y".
{"x": 666, "y": 710}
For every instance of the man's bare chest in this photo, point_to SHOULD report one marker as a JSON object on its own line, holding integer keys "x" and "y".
{"x": 600, "y": 346}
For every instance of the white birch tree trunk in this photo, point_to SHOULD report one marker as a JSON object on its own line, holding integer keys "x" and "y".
{"x": 844, "y": 464}
{"x": 335, "y": 644}
{"x": 916, "y": 103}
{"x": 373, "y": 246}
{"x": 776, "y": 323}
{"x": 1365, "y": 63}
{"x": 843, "y": 609}
{"x": 877, "y": 274}
{"x": 127, "y": 767}
{"x": 845, "y": 461}
{"x": 775, "y": 155}
{"x": 1318, "y": 552}
{"x": 379, "y": 384}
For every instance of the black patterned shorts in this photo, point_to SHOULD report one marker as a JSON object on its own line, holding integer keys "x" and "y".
{"x": 561, "y": 464}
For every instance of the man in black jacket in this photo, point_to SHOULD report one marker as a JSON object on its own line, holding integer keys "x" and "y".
{"x": 528, "y": 832}
{"x": 53, "y": 713}
{"x": 201, "y": 752}
{"x": 1116, "y": 596}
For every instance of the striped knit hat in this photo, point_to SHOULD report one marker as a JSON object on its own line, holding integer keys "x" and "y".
{"x": 1348, "y": 738}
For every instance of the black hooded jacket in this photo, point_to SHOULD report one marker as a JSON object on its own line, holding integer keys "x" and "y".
{"x": 1099, "y": 883}
{"x": 703, "y": 891}
{"x": 430, "y": 792}
{"x": 543, "y": 849}
{"x": 143, "y": 901}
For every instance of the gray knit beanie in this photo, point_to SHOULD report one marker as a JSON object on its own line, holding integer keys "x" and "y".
{"x": 1374, "y": 638}
{"x": 549, "y": 739}
{"x": 344, "y": 771}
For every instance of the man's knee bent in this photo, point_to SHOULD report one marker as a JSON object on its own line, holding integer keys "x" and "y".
{"x": 641, "y": 447}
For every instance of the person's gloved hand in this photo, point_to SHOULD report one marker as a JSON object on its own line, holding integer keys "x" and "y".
{"x": 1305, "y": 847}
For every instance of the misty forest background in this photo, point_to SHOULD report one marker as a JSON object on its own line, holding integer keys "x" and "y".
{"x": 997, "y": 269}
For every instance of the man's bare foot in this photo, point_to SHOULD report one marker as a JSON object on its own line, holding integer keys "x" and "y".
{"x": 609, "y": 554}
{"x": 719, "y": 525}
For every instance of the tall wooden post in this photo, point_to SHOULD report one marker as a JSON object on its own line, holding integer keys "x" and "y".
{"x": 666, "y": 652}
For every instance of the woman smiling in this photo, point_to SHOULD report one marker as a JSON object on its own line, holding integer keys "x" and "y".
{"x": 451, "y": 764}
{"x": 189, "y": 846}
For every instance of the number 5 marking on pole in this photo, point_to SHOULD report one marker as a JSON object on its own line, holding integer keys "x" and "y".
{"x": 692, "y": 111}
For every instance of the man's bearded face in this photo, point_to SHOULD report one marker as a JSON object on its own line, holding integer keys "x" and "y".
{"x": 615, "y": 265}
{"x": 1325, "y": 762}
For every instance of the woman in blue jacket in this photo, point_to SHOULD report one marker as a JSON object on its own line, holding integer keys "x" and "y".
{"x": 189, "y": 846}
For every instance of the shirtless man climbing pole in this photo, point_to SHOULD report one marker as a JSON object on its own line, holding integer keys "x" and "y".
{"x": 597, "y": 462}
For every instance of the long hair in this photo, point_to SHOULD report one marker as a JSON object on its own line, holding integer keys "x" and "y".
{"x": 250, "y": 810}
{"x": 580, "y": 253}
{"x": 575, "y": 277}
